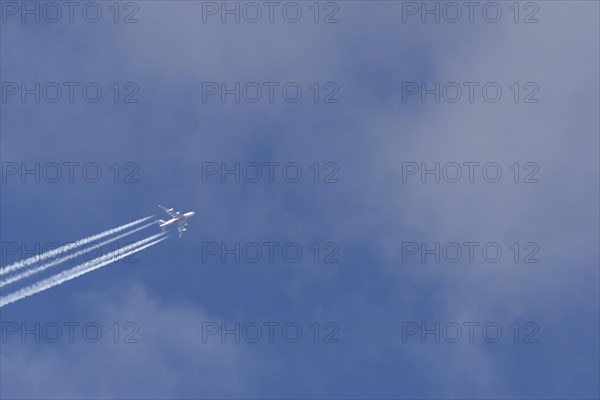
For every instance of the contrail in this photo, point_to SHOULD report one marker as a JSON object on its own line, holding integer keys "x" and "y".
{"x": 51, "y": 253}
{"x": 43, "y": 267}
{"x": 82, "y": 269}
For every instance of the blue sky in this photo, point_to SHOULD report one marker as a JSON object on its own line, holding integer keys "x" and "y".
{"x": 370, "y": 295}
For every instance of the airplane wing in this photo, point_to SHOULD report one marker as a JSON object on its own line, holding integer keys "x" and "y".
{"x": 181, "y": 227}
{"x": 170, "y": 211}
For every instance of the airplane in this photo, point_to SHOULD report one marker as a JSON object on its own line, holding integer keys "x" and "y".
{"x": 176, "y": 218}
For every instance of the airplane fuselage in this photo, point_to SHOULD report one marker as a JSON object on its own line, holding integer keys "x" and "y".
{"x": 177, "y": 220}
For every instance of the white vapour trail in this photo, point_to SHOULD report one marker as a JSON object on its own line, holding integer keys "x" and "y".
{"x": 82, "y": 269}
{"x": 27, "y": 273}
{"x": 55, "y": 252}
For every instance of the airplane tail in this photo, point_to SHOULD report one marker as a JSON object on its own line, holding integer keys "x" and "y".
{"x": 160, "y": 223}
